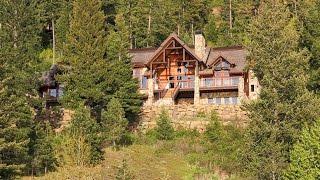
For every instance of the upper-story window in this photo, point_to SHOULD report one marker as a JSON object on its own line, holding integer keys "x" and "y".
{"x": 252, "y": 88}
{"x": 221, "y": 73}
{"x": 222, "y": 65}
{"x": 144, "y": 82}
{"x": 53, "y": 92}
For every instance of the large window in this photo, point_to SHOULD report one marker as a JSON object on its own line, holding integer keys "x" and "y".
{"x": 226, "y": 100}
{"x": 218, "y": 100}
{"x": 222, "y": 65}
{"x": 226, "y": 81}
{"x": 234, "y": 100}
{"x": 221, "y": 73}
{"x": 211, "y": 101}
{"x": 53, "y": 92}
{"x": 235, "y": 81}
{"x": 144, "y": 82}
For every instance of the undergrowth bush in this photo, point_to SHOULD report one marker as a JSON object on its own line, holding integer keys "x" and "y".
{"x": 164, "y": 129}
{"x": 224, "y": 144}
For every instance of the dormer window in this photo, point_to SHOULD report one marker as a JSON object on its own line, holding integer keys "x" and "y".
{"x": 222, "y": 65}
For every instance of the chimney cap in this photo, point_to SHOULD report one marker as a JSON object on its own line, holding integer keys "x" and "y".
{"x": 198, "y": 32}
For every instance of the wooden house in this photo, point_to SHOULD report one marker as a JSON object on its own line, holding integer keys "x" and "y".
{"x": 176, "y": 73}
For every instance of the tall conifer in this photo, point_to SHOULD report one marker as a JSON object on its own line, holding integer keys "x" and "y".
{"x": 285, "y": 104}
{"x": 86, "y": 70}
{"x": 122, "y": 85}
{"x": 19, "y": 30}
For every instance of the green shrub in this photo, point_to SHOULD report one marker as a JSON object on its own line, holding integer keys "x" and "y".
{"x": 186, "y": 133}
{"x": 113, "y": 122}
{"x": 123, "y": 172}
{"x": 164, "y": 129}
{"x": 214, "y": 131}
{"x": 224, "y": 144}
{"x": 127, "y": 138}
{"x": 305, "y": 156}
{"x": 201, "y": 114}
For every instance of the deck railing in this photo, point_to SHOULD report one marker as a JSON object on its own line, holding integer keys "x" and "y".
{"x": 186, "y": 84}
{"x": 219, "y": 82}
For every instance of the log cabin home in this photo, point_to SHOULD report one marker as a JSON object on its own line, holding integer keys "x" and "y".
{"x": 176, "y": 73}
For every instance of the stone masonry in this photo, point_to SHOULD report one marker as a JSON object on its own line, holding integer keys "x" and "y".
{"x": 193, "y": 116}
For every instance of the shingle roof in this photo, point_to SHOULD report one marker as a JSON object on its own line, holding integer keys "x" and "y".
{"x": 235, "y": 55}
{"x": 140, "y": 57}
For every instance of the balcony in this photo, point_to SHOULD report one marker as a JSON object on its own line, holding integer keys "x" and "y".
{"x": 219, "y": 83}
{"x": 186, "y": 84}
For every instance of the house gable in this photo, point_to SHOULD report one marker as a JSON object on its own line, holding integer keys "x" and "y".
{"x": 172, "y": 44}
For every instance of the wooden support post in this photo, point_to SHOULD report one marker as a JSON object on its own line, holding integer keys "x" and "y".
{"x": 184, "y": 55}
{"x": 164, "y": 56}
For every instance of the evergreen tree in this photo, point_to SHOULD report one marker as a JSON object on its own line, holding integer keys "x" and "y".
{"x": 229, "y": 20}
{"x": 214, "y": 131}
{"x": 305, "y": 156}
{"x": 164, "y": 129}
{"x": 285, "y": 104}
{"x": 41, "y": 149}
{"x": 152, "y": 21}
{"x": 113, "y": 121}
{"x": 84, "y": 131}
{"x": 121, "y": 83}
{"x": 19, "y": 42}
{"x": 308, "y": 12}
{"x": 86, "y": 71}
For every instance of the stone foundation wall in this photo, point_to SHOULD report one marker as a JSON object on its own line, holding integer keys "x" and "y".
{"x": 193, "y": 116}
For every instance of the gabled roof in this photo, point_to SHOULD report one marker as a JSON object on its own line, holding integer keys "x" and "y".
{"x": 140, "y": 57}
{"x": 220, "y": 58}
{"x": 167, "y": 42}
{"x": 235, "y": 55}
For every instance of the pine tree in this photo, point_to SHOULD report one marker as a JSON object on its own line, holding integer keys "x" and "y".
{"x": 152, "y": 21}
{"x": 86, "y": 71}
{"x": 85, "y": 131}
{"x": 308, "y": 12}
{"x": 305, "y": 157}
{"x": 214, "y": 131}
{"x": 164, "y": 129}
{"x": 230, "y": 30}
{"x": 113, "y": 121}
{"x": 121, "y": 83}
{"x": 19, "y": 30}
{"x": 285, "y": 104}
{"x": 41, "y": 149}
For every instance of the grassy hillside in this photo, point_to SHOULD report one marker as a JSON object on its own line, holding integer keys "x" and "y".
{"x": 144, "y": 162}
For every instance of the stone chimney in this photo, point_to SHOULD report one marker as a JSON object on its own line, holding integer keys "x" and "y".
{"x": 199, "y": 44}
